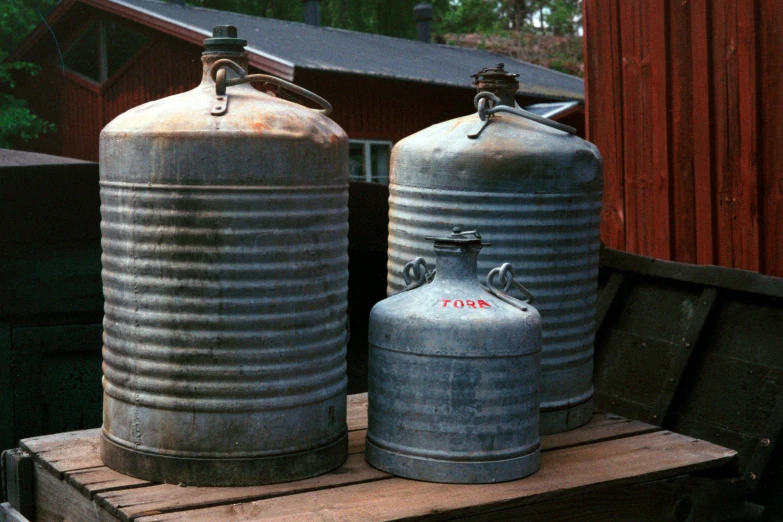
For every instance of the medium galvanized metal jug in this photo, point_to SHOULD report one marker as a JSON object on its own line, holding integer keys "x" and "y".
{"x": 535, "y": 193}
{"x": 454, "y": 374}
{"x": 224, "y": 222}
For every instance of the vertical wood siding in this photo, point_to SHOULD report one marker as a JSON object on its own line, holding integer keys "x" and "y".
{"x": 684, "y": 102}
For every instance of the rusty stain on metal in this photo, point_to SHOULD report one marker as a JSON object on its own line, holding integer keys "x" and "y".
{"x": 225, "y": 282}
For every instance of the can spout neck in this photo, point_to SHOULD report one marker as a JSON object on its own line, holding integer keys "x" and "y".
{"x": 208, "y": 60}
{"x": 456, "y": 263}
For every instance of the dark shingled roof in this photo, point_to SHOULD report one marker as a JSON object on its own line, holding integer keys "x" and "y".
{"x": 302, "y": 46}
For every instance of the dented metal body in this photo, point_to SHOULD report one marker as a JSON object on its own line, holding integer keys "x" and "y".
{"x": 535, "y": 194}
{"x": 454, "y": 379}
{"x": 225, "y": 279}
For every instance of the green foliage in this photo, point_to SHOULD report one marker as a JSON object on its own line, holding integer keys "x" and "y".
{"x": 469, "y": 16}
{"x": 17, "y": 19}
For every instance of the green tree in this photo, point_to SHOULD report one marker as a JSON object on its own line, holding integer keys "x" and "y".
{"x": 17, "y": 122}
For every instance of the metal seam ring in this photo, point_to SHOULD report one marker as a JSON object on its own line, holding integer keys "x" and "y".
{"x": 218, "y": 73}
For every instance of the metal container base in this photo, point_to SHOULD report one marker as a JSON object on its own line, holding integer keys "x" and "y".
{"x": 557, "y": 421}
{"x": 224, "y": 472}
{"x": 449, "y": 471}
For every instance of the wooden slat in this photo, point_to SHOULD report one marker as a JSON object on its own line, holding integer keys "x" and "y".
{"x": 56, "y": 501}
{"x": 607, "y": 297}
{"x": 722, "y": 118}
{"x": 92, "y": 481}
{"x": 681, "y": 139}
{"x": 769, "y": 439}
{"x": 65, "y": 451}
{"x": 357, "y": 411}
{"x": 682, "y": 355}
{"x": 745, "y": 231}
{"x": 717, "y": 276}
{"x": 633, "y": 36}
{"x": 567, "y": 471}
{"x": 126, "y": 497}
{"x": 657, "y": 216}
{"x": 131, "y": 504}
{"x": 656, "y": 501}
{"x": 603, "y": 102}
{"x": 702, "y": 131}
{"x": 769, "y": 29}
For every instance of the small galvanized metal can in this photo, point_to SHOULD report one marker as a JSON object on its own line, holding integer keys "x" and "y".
{"x": 534, "y": 190}
{"x": 225, "y": 271}
{"x": 454, "y": 374}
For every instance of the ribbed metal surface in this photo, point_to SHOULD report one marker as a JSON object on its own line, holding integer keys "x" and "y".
{"x": 225, "y": 275}
{"x": 227, "y": 289}
{"x": 454, "y": 378}
{"x": 535, "y": 195}
{"x": 551, "y": 240}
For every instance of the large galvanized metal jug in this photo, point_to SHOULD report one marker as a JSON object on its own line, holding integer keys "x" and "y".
{"x": 454, "y": 374}
{"x": 535, "y": 193}
{"x": 224, "y": 222}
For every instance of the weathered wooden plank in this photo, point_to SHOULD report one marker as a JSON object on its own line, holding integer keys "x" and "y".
{"x": 621, "y": 405}
{"x": 56, "y": 501}
{"x": 769, "y": 29}
{"x": 9, "y": 514}
{"x": 18, "y": 479}
{"x": 603, "y": 103}
{"x": 357, "y": 411}
{"x": 702, "y": 131}
{"x": 722, "y": 119}
{"x": 658, "y": 213}
{"x": 745, "y": 232}
{"x": 118, "y": 494}
{"x": 720, "y": 277}
{"x": 602, "y": 427}
{"x": 654, "y": 309}
{"x": 65, "y": 451}
{"x": 92, "y": 481}
{"x": 608, "y": 294}
{"x": 682, "y": 355}
{"x": 730, "y": 393}
{"x": 670, "y": 500}
{"x": 636, "y": 117}
{"x": 128, "y": 505}
{"x": 769, "y": 439}
{"x": 563, "y": 472}
{"x": 681, "y": 132}
{"x": 631, "y": 366}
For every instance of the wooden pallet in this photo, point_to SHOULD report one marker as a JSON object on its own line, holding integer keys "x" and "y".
{"x": 611, "y": 469}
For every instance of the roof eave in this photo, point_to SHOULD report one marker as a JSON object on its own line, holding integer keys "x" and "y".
{"x": 189, "y": 34}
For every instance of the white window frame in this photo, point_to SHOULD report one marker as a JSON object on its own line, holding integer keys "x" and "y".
{"x": 368, "y": 155}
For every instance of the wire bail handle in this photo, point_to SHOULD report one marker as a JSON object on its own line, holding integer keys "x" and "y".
{"x": 218, "y": 73}
{"x": 499, "y": 282}
{"x": 485, "y": 110}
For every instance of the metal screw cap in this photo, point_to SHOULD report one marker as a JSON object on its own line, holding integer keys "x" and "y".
{"x": 224, "y": 40}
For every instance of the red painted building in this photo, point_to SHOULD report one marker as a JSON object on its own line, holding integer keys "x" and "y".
{"x": 121, "y": 53}
{"x": 684, "y": 102}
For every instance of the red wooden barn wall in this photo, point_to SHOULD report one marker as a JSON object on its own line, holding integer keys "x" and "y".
{"x": 684, "y": 102}
{"x": 366, "y": 107}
